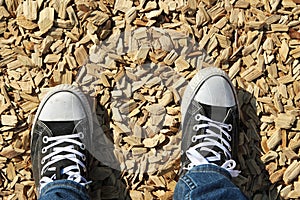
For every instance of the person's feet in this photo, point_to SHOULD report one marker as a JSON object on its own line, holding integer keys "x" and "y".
{"x": 61, "y": 130}
{"x": 210, "y": 118}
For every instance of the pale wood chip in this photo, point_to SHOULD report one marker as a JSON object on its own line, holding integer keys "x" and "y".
{"x": 277, "y": 175}
{"x": 21, "y": 21}
{"x": 9, "y": 120}
{"x": 134, "y": 194}
{"x": 295, "y": 53}
{"x": 241, "y": 4}
{"x": 171, "y": 57}
{"x": 279, "y": 27}
{"x": 284, "y": 50}
{"x": 291, "y": 172}
{"x": 138, "y": 150}
{"x": 156, "y": 109}
{"x": 52, "y": 58}
{"x": 271, "y": 155}
{"x": 46, "y": 19}
{"x": 275, "y": 139}
{"x": 10, "y": 152}
{"x": 25, "y": 60}
{"x": 30, "y": 9}
{"x": 286, "y": 79}
{"x": 130, "y": 15}
{"x": 251, "y": 73}
{"x": 181, "y": 64}
{"x": 166, "y": 98}
{"x": 249, "y": 61}
{"x": 202, "y": 16}
{"x": 284, "y": 121}
{"x": 290, "y": 154}
{"x": 288, "y": 3}
{"x": 81, "y": 55}
{"x": 4, "y": 12}
{"x": 255, "y": 25}
{"x": 285, "y": 191}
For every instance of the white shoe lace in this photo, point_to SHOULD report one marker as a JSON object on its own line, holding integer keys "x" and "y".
{"x": 72, "y": 171}
{"x": 208, "y": 141}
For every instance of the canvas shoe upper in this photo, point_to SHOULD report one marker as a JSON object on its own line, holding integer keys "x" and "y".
{"x": 210, "y": 119}
{"x": 60, "y": 134}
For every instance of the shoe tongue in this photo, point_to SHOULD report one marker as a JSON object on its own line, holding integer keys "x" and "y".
{"x": 216, "y": 113}
{"x": 61, "y": 128}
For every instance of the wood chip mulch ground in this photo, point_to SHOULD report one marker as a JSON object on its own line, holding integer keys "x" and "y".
{"x": 135, "y": 58}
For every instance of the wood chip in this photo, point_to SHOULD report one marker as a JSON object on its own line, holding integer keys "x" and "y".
{"x": 251, "y": 74}
{"x": 277, "y": 175}
{"x": 26, "y": 24}
{"x": 284, "y": 121}
{"x": 271, "y": 155}
{"x": 291, "y": 172}
{"x": 81, "y": 55}
{"x": 279, "y": 27}
{"x": 295, "y": 53}
{"x": 30, "y": 9}
{"x": 181, "y": 64}
{"x": 274, "y": 140}
{"x": 46, "y": 19}
{"x": 284, "y": 50}
{"x": 52, "y": 58}
{"x": 9, "y": 120}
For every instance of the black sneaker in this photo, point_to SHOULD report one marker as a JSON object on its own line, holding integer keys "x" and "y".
{"x": 210, "y": 120}
{"x": 61, "y": 130}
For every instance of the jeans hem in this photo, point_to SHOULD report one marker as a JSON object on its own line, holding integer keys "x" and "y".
{"x": 66, "y": 185}
{"x": 209, "y": 168}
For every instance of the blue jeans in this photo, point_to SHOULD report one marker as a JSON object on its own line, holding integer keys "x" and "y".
{"x": 206, "y": 182}
{"x": 201, "y": 182}
{"x": 64, "y": 190}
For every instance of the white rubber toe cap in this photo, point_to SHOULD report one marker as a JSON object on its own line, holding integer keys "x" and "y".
{"x": 216, "y": 91}
{"x": 62, "y": 106}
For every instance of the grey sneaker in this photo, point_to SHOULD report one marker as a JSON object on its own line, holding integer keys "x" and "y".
{"x": 210, "y": 120}
{"x": 61, "y": 130}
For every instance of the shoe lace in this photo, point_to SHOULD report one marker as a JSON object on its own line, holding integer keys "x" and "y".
{"x": 62, "y": 153}
{"x": 209, "y": 140}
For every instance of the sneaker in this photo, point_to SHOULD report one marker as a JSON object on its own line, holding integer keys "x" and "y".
{"x": 210, "y": 120}
{"x": 60, "y": 133}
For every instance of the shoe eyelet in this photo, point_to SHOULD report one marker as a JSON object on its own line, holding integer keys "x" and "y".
{"x": 45, "y": 139}
{"x": 82, "y": 146}
{"x": 81, "y": 135}
{"x": 84, "y": 169}
{"x": 83, "y": 157}
{"x": 198, "y": 117}
{"x": 229, "y": 128}
{"x": 44, "y": 150}
{"x": 194, "y": 139}
{"x": 42, "y": 161}
{"x": 229, "y": 137}
{"x": 195, "y": 128}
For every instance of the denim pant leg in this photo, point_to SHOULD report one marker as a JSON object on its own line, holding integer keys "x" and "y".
{"x": 64, "y": 189}
{"x": 206, "y": 182}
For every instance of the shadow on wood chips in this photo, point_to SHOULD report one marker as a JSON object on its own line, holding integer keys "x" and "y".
{"x": 106, "y": 176}
{"x": 253, "y": 179}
